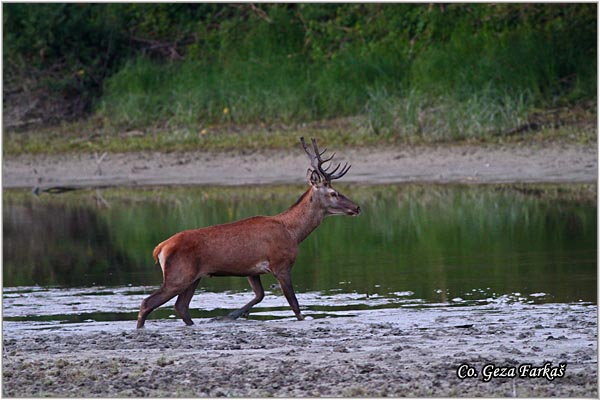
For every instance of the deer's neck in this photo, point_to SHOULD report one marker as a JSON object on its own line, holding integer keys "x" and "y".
{"x": 303, "y": 217}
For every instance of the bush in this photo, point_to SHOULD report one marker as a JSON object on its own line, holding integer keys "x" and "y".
{"x": 449, "y": 70}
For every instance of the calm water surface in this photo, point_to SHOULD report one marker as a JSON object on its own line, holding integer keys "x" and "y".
{"x": 83, "y": 257}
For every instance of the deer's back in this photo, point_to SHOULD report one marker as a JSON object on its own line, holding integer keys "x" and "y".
{"x": 248, "y": 247}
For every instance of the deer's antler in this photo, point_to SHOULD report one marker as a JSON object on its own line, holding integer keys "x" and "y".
{"x": 317, "y": 162}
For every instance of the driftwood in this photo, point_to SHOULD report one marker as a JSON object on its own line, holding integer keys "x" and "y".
{"x": 54, "y": 189}
{"x": 37, "y": 190}
{"x": 59, "y": 189}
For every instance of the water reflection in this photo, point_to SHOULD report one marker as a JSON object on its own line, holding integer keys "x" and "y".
{"x": 440, "y": 243}
{"x": 59, "y": 245}
{"x": 47, "y": 307}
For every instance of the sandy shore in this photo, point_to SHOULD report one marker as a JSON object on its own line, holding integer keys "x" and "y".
{"x": 550, "y": 162}
{"x": 389, "y": 352}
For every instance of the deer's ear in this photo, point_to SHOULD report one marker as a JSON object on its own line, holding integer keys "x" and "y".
{"x": 313, "y": 177}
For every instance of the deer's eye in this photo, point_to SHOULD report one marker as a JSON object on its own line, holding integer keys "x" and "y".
{"x": 334, "y": 195}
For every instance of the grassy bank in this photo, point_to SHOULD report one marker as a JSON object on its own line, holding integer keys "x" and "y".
{"x": 85, "y": 137}
{"x": 473, "y": 80}
{"x": 190, "y": 75}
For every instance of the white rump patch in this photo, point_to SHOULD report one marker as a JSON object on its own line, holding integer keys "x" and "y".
{"x": 262, "y": 267}
{"x": 161, "y": 261}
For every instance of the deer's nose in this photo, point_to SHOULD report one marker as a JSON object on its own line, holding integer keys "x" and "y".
{"x": 357, "y": 209}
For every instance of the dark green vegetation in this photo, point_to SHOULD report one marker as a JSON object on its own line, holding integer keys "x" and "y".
{"x": 180, "y": 73}
{"x": 420, "y": 239}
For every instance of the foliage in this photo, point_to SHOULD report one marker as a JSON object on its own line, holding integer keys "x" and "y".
{"x": 457, "y": 70}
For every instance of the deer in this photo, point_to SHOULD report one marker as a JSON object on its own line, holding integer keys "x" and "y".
{"x": 249, "y": 247}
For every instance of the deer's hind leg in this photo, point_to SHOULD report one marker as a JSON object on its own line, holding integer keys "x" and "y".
{"x": 182, "y": 305}
{"x": 177, "y": 279}
{"x": 155, "y": 300}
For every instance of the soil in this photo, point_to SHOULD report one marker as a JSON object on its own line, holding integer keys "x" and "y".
{"x": 390, "y": 352}
{"x": 548, "y": 162}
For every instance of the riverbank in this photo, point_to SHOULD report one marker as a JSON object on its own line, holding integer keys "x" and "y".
{"x": 544, "y": 162}
{"x": 402, "y": 352}
{"x": 389, "y": 352}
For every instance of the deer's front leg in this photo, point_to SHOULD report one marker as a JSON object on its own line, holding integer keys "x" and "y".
{"x": 259, "y": 294}
{"x": 285, "y": 282}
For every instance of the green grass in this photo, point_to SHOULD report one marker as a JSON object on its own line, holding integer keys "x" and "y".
{"x": 482, "y": 115}
{"x": 219, "y": 138}
{"x": 273, "y": 89}
{"x": 475, "y": 84}
{"x": 413, "y": 74}
{"x": 80, "y": 137}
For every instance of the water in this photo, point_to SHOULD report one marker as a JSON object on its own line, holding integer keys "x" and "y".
{"x": 86, "y": 257}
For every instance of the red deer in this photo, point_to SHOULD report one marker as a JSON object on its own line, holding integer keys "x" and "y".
{"x": 249, "y": 247}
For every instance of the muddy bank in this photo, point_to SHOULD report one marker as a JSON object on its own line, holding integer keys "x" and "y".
{"x": 389, "y": 352}
{"x": 493, "y": 163}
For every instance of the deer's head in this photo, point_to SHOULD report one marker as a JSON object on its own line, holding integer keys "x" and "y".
{"x": 320, "y": 177}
